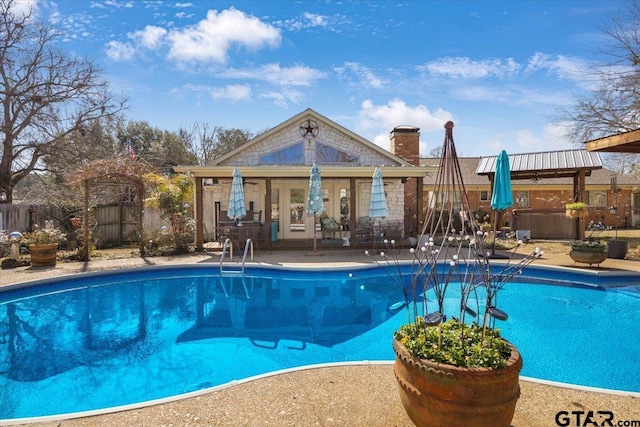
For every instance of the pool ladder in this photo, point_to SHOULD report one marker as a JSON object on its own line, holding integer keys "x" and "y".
{"x": 234, "y": 271}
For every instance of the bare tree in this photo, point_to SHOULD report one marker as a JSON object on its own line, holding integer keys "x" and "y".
{"x": 45, "y": 96}
{"x": 202, "y": 142}
{"x": 208, "y": 143}
{"x": 613, "y": 106}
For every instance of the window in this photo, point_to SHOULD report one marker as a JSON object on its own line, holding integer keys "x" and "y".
{"x": 330, "y": 155}
{"x": 484, "y": 196}
{"x": 522, "y": 199}
{"x": 596, "y": 198}
{"x": 292, "y": 155}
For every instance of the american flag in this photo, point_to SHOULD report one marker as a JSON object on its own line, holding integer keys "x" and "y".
{"x": 131, "y": 151}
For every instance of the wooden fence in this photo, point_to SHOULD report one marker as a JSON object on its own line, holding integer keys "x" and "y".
{"x": 114, "y": 225}
{"x": 546, "y": 224}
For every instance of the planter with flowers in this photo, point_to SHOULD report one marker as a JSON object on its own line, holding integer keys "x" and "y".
{"x": 43, "y": 244}
{"x": 452, "y": 366}
{"x": 576, "y": 210}
{"x": 588, "y": 251}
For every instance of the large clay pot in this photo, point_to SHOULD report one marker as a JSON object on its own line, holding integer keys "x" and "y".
{"x": 588, "y": 257}
{"x": 439, "y": 395}
{"x": 43, "y": 255}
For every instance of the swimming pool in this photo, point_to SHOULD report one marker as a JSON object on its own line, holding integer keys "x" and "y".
{"x": 103, "y": 340}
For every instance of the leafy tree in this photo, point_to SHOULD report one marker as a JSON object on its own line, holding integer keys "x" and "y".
{"x": 45, "y": 95}
{"x": 173, "y": 197}
{"x": 160, "y": 148}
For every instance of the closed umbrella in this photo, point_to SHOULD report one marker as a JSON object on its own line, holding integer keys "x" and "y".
{"x": 378, "y": 204}
{"x": 236, "y": 208}
{"x": 502, "y": 196}
{"x": 314, "y": 202}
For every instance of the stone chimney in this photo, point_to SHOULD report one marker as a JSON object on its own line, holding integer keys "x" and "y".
{"x": 405, "y": 143}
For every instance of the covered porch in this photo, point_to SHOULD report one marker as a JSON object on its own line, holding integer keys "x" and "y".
{"x": 275, "y": 198}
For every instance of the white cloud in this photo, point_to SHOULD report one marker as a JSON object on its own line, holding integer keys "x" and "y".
{"x": 314, "y": 20}
{"x": 231, "y": 92}
{"x": 210, "y": 39}
{"x": 466, "y": 68}
{"x": 379, "y": 120}
{"x": 118, "y": 51}
{"x": 565, "y": 67}
{"x": 151, "y": 37}
{"x": 119, "y": 4}
{"x": 283, "y": 98}
{"x": 184, "y": 4}
{"x": 24, "y": 7}
{"x": 298, "y": 75}
{"x": 362, "y": 74}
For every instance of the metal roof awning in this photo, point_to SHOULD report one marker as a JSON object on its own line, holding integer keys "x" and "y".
{"x": 550, "y": 164}
{"x": 303, "y": 171}
{"x": 626, "y": 142}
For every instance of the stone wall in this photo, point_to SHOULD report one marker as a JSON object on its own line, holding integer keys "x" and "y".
{"x": 290, "y": 136}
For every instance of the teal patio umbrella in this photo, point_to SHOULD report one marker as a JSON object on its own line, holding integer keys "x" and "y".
{"x": 502, "y": 196}
{"x": 314, "y": 202}
{"x": 236, "y": 209}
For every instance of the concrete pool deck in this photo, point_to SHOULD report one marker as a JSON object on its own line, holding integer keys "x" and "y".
{"x": 350, "y": 395}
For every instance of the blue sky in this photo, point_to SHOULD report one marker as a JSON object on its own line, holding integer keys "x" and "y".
{"x": 498, "y": 69}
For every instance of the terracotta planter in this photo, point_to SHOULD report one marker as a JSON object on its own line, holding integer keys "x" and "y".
{"x": 76, "y": 222}
{"x": 576, "y": 213}
{"x": 588, "y": 257}
{"x": 43, "y": 255}
{"x": 436, "y": 394}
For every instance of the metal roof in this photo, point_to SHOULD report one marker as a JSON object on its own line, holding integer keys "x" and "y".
{"x": 549, "y": 164}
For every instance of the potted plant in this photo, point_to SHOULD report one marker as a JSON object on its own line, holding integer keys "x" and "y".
{"x": 617, "y": 248}
{"x": 576, "y": 210}
{"x": 588, "y": 251}
{"x": 452, "y": 366}
{"x": 43, "y": 244}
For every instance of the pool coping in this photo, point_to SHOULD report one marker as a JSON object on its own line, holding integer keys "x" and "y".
{"x": 230, "y": 384}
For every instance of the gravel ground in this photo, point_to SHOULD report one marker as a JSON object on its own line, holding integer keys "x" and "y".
{"x": 353, "y": 395}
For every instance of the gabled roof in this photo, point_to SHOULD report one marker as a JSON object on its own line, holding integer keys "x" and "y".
{"x": 311, "y": 114}
{"x": 548, "y": 164}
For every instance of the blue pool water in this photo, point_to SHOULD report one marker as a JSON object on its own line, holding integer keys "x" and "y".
{"x": 100, "y": 341}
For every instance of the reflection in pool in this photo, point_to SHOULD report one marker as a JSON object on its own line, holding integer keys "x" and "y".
{"x": 114, "y": 340}
{"x": 104, "y": 340}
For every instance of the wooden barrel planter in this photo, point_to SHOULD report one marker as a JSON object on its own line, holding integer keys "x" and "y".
{"x": 43, "y": 255}
{"x": 437, "y": 394}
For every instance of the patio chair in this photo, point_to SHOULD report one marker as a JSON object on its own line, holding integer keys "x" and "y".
{"x": 329, "y": 228}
